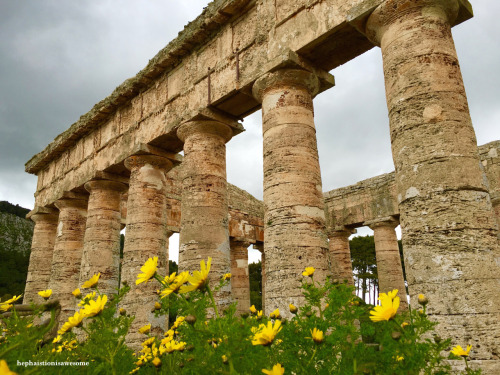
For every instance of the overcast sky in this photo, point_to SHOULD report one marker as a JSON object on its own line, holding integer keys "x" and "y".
{"x": 60, "y": 57}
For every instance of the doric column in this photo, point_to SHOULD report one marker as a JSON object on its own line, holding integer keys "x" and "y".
{"x": 42, "y": 247}
{"x": 68, "y": 248}
{"x": 146, "y": 237}
{"x": 240, "y": 281}
{"x": 294, "y": 219}
{"x": 389, "y": 267}
{"x": 340, "y": 254}
{"x": 450, "y": 245}
{"x": 260, "y": 246}
{"x": 204, "y": 208}
{"x": 496, "y": 208}
{"x": 101, "y": 244}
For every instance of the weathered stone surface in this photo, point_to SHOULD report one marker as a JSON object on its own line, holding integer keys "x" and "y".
{"x": 240, "y": 281}
{"x": 445, "y": 207}
{"x": 389, "y": 268}
{"x": 67, "y": 254}
{"x": 204, "y": 221}
{"x": 146, "y": 237}
{"x": 294, "y": 220}
{"x": 101, "y": 244}
{"x": 42, "y": 247}
{"x": 340, "y": 254}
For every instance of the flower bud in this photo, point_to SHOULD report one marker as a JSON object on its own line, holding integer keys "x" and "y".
{"x": 309, "y": 314}
{"x": 437, "y": 339}
{"x": 123, "y": 311}
{"x": 422, "y": 300}
{"x": 396, "y": 335}
{"x": 293, "y": 309}
{"x": 157, "y": 306}
{"x": 190, "y": 319}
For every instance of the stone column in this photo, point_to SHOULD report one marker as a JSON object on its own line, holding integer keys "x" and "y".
{"x": 67, "y": 255}
{"x": 146, "y": 236}
{"x": 260, "y": 246}
{"x": 389, "y": 268}
{"x": 240, "y": 281}
{"x": 496, "y": 208}
{"x": 204, "y": 208}
{"x": 294, "y": 219}
{"x": 450, "y": 245}
{"x": 42, "y": 247}
{"x": 340, "y": 254}
{"x": 101, "y": 244}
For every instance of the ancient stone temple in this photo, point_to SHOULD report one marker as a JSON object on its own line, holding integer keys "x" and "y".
{"x": 119, "y": 165}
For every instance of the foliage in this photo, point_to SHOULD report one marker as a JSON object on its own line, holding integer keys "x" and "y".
{"x": 255, "y": 276}
{"x": 325, "y": 336}
{"x": 13, "y": 272}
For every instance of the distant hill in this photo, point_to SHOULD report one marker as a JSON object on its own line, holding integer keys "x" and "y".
{"x": 17, "y": 210}
{"x": 15, "y": 247}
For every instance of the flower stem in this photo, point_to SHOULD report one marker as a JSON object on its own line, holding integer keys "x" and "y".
{"x": 213, "y": 301}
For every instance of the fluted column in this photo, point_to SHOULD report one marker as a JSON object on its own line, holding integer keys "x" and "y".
{"x": 389, "y": 267}
{"x": 340, "y": 254}
{"x": 204, "y": 208}
{"x": 294, "y": 219}
{"x": 146, "y": 237}
{"x": 450, "y": 244}
{"x": 260, "y": 246}
{"x": 42, "y": 248}
{"x": 67, "y": 255}
{"x": 496, "y": 208}
{"x": 101, "y": 244}
{"x": 240, "y": 281}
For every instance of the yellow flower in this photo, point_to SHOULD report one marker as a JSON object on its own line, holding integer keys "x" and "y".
{"x": 259, "y": 314}
{"x": 199, "y": 279}
{"x": 224, "y": 359}
{"x": 277, "y": 370}
{"x": 57, "y": 339}
{"x": 73, "y": 321}
{"x": 458, "y": 351}
{"x": 309, "y": 271}
{"x": 87, "y": 297}
{"x": 76, "y": 320}
{"x": 148, "y": 342}
{"x": 77, "y": 293}
{"x": 92, "y": 281}
{"x": 253, "y": 310}
{"x": 4, "y": 368}
{"x": 226, "y": 276}
{"x": 178, "y": 322}
{"x": 134, "y": 370}
{"x": 176, "y": 284}
{"x": 145, "y": 329}
{"x": 264, "y": 335}
{"x": 293, "y": 309}
{"x": 5, "y": 307}
{"x": 317, "y": 335}
{"x": 45, "y": 293}
{"x": 275, "y": 314}
{"x": 388, "y": 307}
{"x": 156, "y": 362}
{"x": 95, "y": 307}
{"x": 13, "y": 299}
{"x": 148, "y": 270}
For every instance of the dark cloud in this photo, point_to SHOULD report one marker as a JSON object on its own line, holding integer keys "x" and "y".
{"x": 61, "y": 57}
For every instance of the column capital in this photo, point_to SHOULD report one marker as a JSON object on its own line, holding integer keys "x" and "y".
{"x": 43, "y": 217}
{"x": 341, "y": 231}
{"x": 79, "y": 203}
{"x": 138, "y": 161}
{"x": 42, "y": 213}
{"x": 105, "y": 185}
{"x": 284, "y": 77}
{"x": 392, "y": 11}
{"x": 389, "y": 221}
{"x": 205, "y": 126}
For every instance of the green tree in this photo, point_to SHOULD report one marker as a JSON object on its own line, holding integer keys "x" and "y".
{"x": 255, "y": 275}
{"x": 364, "y": 264}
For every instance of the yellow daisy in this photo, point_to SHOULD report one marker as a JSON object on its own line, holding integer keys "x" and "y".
{"x": 45, "y": 294}
{"x": 148, "y": 270}
{"x": 458, "y": 351}
{"x": 264, "y": 335}
{"x": 388, "y": 307}
{"x": 199, "y": 279}
{"x": 309, "y": 271}
{"x": 92, "y": 281}
{"x": 277, "y": 370}
{"x": 95, "y": 307}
